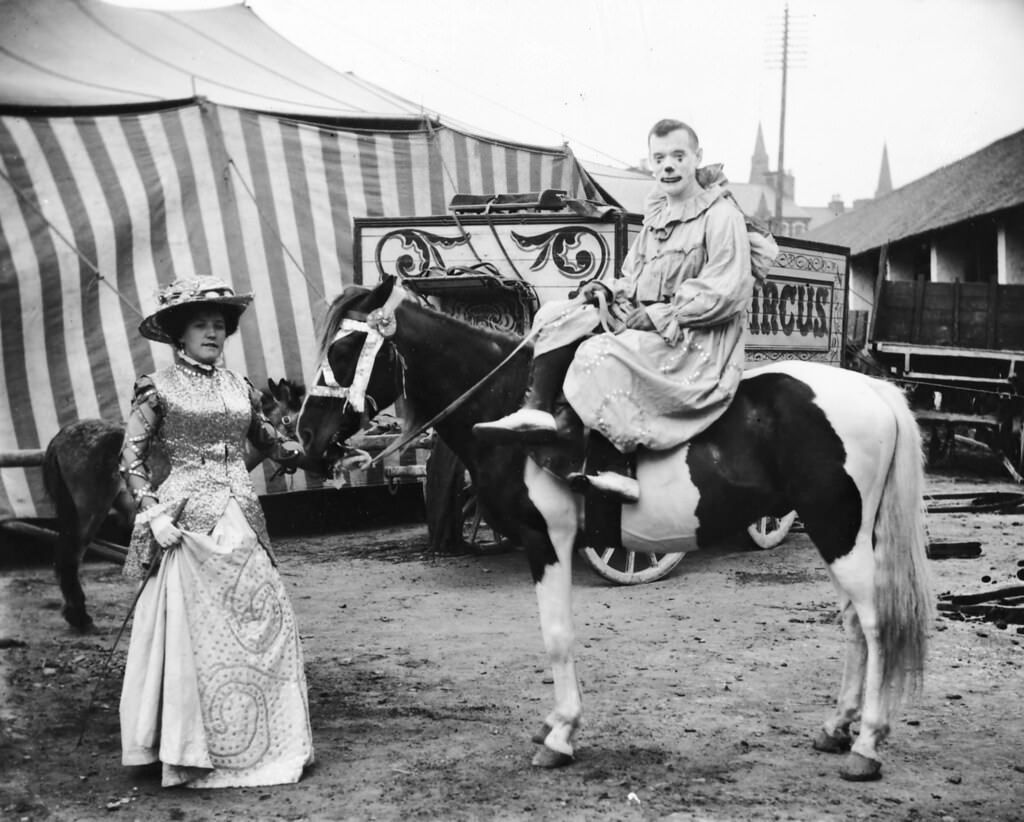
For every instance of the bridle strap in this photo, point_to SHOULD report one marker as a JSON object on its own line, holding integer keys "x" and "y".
{"x": 325, "y": 384}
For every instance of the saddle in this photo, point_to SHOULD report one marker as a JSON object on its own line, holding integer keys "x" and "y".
{"x": 664, "y": 520}
{"x": 567, "y": 457}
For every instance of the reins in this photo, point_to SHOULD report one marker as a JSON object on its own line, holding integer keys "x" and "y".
{"x": 407, "y": 439}
{"x": 453, "y": 406}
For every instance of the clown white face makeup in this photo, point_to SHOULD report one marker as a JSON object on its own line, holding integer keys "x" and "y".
{"x": 674, "y": 160}
{"x": 204, "y": 335}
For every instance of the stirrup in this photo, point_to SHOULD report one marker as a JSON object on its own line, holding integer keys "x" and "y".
{"x": 524, "y": 425}
{"x": 608, "y": 483}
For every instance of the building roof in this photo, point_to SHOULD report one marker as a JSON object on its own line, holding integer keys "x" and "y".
{"x": 753, "y": 197}
{"x": 985, "y": 182}
{"x": 86, "y": 53}
{"x": 630, "y": 190}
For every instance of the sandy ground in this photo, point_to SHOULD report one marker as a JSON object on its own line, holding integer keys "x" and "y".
{"x": 427, "y": 677}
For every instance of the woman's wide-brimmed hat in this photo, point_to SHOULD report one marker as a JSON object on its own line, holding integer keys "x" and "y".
{"x": 191, "y": 291}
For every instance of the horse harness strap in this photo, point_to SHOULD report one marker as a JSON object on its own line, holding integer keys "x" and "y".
{"x": 325, "y": 384}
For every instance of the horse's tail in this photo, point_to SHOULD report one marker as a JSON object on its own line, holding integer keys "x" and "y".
{"x": 903, "y": 600}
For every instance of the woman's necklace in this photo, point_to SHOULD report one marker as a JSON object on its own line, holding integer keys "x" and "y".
{"x": 199, "y": 366}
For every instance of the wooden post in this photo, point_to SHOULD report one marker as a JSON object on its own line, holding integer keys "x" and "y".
{"x": 955, "y": 330}
{"x": 883, "y": 265}
{"x": 993, "y": 314}
{"x": 918, "y": 309}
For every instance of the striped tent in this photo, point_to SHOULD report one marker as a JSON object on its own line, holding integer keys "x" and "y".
{"x": 97, "y": 210}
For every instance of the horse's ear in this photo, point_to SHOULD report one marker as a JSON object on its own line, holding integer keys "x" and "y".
{"x": 274, "y": 388}
{"x": 383, "y": 291}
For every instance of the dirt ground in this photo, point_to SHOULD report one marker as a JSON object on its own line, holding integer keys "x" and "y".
{"x": 427, "y": 677}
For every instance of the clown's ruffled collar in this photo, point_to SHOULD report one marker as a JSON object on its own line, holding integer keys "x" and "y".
{"x": 660, "y": 214}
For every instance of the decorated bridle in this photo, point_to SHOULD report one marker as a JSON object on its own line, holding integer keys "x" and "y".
{"x": 378, "y": 326}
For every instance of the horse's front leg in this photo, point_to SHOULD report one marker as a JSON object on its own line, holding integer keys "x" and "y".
{"x": 551, "y": 565}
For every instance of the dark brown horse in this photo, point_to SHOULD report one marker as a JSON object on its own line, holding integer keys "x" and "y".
{"x": 839, "y": 448}
{"x": 81, "y": 474}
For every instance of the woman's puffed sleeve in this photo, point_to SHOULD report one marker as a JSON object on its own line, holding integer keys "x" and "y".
{"x": 266, "y": 438}
{"x": 141, "y": 427}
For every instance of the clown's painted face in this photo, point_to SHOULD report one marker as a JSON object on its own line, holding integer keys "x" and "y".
{"x": 674, "y": 160}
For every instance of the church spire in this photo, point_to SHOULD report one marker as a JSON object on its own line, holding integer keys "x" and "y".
{"x": 884, "y": 178}
{"x": 759, "y": 162}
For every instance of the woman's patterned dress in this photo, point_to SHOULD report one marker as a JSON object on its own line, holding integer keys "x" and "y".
{"x": 214, "y": 686}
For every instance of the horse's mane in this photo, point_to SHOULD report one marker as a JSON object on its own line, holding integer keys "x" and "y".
{"x": 480, "y": 341}
{"x": 505, "y": 340}
{"x": 336, "y": 313}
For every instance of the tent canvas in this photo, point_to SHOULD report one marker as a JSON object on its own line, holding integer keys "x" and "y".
{"x": 99, "y": 208}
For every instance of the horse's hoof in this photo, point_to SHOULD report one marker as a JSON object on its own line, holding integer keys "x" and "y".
{"x": 827, "y": 743}
{"x": 79, "y": 620}
{"x": 858, "y": 768}
{"x": 539, "y": 737}
{"x": 547, "y": 758}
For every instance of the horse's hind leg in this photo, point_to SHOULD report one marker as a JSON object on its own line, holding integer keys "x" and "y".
{"x": 84, "y": 482}
{"x": 67, "y": 561}
{"x": 834, "y": 735}
{"x": 855, "y": 574}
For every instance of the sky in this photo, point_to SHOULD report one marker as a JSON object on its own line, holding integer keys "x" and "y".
{"x": 930, "y": 80}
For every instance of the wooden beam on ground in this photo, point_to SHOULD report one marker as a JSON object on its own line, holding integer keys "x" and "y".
{"x": 100, "y": 547}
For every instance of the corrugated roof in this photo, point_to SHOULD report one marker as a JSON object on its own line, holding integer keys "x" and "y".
{"x": 85, "y": 53}
{"x": 982, "y": 183}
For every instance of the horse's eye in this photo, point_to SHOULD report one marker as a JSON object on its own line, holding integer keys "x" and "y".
{"x": 286, "y": 419}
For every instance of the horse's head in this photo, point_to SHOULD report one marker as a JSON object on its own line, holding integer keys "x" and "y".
{"x": 359, "y": 373}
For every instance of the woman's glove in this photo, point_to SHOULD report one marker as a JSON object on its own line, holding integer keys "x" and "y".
{"x": 165, "y": 532}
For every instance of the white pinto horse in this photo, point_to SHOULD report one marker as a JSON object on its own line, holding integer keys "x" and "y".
{"x": 841, "y": 449}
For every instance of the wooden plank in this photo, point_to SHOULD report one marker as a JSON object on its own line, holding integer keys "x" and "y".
{"x": 1010, "y": 317}
{"x": 896, "y": 347}
{"x": 936, "y": 314}
{"x": 926, "y": 415}
{"x": 993, "y": 315}
{"x": 956, "y": 314}
{"x": 100, "y": 547}
{"x": 22, "y": 459}
{"x": 915, "y": 323}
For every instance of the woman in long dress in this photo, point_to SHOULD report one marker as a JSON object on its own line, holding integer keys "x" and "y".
{"x": 214, "y": 686}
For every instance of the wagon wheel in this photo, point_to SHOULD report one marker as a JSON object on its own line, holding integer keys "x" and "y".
{"x": 767, "y": 532}
{"x": 629, "y": 567}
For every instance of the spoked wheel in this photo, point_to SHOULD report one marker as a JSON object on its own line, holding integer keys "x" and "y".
{"x": 768, "y": 532}
{"x": 630, "y": 568}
